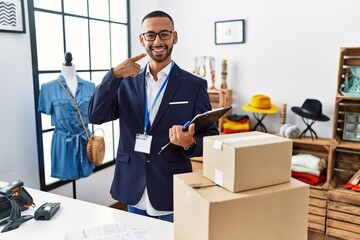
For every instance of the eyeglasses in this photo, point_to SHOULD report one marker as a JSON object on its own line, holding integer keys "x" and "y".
{"x": 164, "y": 35}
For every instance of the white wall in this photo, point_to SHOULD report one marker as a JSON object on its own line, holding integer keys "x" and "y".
{"x": 291, "y": 54}
{"x": 291, "y": 51}
{"x": 18, "y": 159}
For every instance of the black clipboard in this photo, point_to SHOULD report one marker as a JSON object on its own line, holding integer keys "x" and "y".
{"x": 202, "y": 122}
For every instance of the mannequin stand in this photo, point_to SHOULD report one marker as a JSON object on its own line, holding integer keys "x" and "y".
{"x": 259, "y": 118}
{"x": 15, "y": 219}
{"x": 308, "y": 124}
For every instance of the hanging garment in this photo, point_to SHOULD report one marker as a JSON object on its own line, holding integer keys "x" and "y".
{"x": 68, "y": 145}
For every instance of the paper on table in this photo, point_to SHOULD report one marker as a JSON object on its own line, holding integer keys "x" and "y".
{"x": 113, "y": 231}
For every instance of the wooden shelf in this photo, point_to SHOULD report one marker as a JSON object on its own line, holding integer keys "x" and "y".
{"x": 339, "y": 143}
{"x": 315, "y": 141}
{"x": 320, "y": 147}
{"x": 317, "y": 209}
{"x": 340, "y": 97}
{"x": 339, "y": 187}
{"x": 343, "y": 208}
{"x": 220, "y": 98}
{"x": 343, "y": 213}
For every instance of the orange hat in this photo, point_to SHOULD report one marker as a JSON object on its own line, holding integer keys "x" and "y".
{"x": 260, "y": 104}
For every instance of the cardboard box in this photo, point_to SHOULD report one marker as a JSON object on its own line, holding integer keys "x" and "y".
{"x": 205, "y": 211}
{"x": 249, "y": 160}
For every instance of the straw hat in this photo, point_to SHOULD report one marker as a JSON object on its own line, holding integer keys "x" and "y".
{"x": 260, "y": 104}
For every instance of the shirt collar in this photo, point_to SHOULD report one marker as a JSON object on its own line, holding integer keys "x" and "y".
{"x": 63, "y": 81}
{"x": 164, "y": 72}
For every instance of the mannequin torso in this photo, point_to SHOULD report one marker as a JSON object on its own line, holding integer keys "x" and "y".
{"x": 69, "y": 73}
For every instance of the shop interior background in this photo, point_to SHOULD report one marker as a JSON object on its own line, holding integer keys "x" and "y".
{"x": 291, "y": 52}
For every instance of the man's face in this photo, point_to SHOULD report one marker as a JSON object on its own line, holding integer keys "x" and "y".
{"x": 158, "y": 49}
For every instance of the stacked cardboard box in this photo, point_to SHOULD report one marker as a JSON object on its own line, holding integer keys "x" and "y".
{"x": 245, "y": 193}
{"x": 248, "y": 160}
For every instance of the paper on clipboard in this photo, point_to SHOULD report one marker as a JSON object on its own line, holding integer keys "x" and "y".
{"x": 202, "y": 122}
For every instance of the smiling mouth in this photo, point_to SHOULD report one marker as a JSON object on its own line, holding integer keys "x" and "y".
{"x": 158, "y": 49}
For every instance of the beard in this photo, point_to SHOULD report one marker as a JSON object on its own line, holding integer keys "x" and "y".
{"x": 161, "y": 57}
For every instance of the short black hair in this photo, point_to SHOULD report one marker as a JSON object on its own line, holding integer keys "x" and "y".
{"x": 158, "y": 13}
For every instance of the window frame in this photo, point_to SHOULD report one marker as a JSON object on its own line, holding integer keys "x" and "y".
{"x": 36, "y": 83}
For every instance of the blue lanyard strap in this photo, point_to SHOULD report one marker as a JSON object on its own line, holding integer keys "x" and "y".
{"x": 147, "y": 112}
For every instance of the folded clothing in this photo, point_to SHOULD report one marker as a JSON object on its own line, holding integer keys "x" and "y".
{"x": 309, "y": 178}
{"x": 236, "y": 124}
{"x": 305, "y": 180}
{"x": 228, "y": 131}
{"x": 237, "y": 118}
{"x": 305, "y": 170}
{"x": 309, "y": 161}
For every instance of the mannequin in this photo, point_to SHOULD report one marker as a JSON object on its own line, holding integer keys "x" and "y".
{"x": 68, "y": 146}
{"x": 69, "y": 72}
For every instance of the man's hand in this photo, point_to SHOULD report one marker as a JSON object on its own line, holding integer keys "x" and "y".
{"x": 129, "y": 67}
{"x": 179, "y": 137}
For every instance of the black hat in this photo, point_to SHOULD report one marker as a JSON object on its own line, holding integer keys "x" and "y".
{"x": 311, "y": 109}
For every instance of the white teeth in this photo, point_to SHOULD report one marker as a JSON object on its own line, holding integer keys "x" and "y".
{"x": 158, "y": 49}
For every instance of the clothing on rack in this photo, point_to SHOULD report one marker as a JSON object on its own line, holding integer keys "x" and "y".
{"x": 68, "y": 145}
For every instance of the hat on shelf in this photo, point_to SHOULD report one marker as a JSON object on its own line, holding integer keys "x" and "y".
{"x": 260, "y": 103}
{"x": 311, "y": 109}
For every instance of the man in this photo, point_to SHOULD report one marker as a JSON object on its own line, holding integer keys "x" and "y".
{"x": 152, "y": 104}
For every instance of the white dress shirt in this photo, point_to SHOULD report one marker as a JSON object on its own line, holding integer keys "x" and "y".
{"x": 152, "y": 89}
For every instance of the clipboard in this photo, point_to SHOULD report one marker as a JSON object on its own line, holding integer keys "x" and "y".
{"x": 202, "y": 122}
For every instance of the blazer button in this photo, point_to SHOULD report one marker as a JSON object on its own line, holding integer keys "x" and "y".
{"x": 148, "y": 160}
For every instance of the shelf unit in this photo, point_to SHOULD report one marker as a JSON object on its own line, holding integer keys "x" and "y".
{"x": 220, "y": 98}
{"x": 318, "y": 198}
{"x": 343, "y": 210}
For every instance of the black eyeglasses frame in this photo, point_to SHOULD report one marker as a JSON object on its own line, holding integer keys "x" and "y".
{"x": 158, "y": 34}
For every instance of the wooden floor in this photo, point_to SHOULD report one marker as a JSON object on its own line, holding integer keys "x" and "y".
{"x": 311, "y": 235}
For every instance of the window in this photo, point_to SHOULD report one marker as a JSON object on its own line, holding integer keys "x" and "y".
{"x": 92, "y": 30}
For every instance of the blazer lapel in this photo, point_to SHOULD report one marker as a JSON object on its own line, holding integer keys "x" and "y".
{"x": 140, "y": 84}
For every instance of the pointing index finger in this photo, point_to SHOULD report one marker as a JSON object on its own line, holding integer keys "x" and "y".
{"x": 138, "y": 57}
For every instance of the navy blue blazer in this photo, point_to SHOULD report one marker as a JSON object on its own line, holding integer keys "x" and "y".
{"x": 124, "y": 99}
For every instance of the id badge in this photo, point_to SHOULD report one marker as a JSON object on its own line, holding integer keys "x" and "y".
{"x": 143, "y": 143}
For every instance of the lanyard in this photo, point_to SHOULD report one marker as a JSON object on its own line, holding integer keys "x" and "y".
{"x": 147, "y": 112}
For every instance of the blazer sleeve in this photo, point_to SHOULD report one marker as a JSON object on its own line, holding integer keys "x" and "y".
{"x": 103, "y": 106}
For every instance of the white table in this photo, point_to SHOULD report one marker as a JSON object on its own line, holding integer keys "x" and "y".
{"x": 75, "y": 215}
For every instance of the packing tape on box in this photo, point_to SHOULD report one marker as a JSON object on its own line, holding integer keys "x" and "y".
{"x": 219, "y": 143}
{"x": 219, "y": 179}
{"x": 188, "y": 196}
